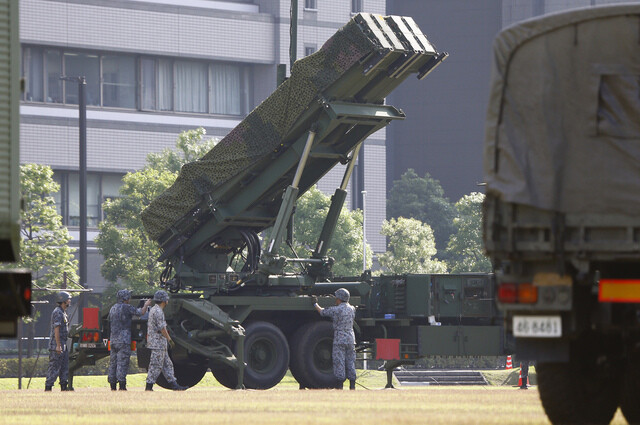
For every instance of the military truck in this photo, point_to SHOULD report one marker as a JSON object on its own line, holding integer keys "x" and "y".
{"x": 234, "y": 310}
{"x": 562, "y": 211}
{"x": 15, "y": 284}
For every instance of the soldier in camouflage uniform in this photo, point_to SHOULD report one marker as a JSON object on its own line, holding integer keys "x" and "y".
{"x": 120, "y": 317}
{"x": 157, "y": 339}
{"x": 58, "y": 352}
{"x": 344, "y": 340}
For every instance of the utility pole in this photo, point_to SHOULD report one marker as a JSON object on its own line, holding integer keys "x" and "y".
{"x": 364, "y": 231}
{"x": 82, "y": 125}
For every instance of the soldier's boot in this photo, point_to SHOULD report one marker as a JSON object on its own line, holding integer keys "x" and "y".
{"x": 339, "y": 384}
{"x": 113, "y": 386}
{"x": 64, "y": 386}
{"x": 352, "y": 384}
{"x": 123, "y": 385}
{"x": 149, "y": 387}
{"x": 177, "y": 387}
{"x": 47, "y": 387}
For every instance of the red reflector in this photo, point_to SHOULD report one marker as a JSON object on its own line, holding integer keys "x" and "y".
{"x": 507, "y": 293}
{"x": 387, "y": 349}
{"x": 26, "y": 294}
{"x": 527, "y": 293}
{"x": 90, "y": 318}
{"x": 133, "y": 345}
{"x": 84, "y": 337}
{"x": 109, "y": 345}
{"x": 619, "y": 290}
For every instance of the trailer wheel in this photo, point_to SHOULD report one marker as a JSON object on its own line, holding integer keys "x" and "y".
{"x": 312, "y": 362}
{"x": 186, "y": 374}
{"x": 630, "y": 396}
{"x": 585, "y": 390}
{"x": 225, "y": 375}
{"x": 266, "y": 353}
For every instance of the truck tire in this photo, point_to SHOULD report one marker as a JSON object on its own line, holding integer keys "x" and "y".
{"x": 574, "y": 393}
{"x": 266, "y": 354}
{"x": 311, "y": 355}
{"x": 630, "y": 395}
{"x": 225, "y": 375}
{"x": 187, "y": 374}
{"x": 296, "y": 361}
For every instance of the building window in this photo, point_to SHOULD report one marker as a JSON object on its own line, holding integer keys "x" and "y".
{"x": 100, "y": 186}
{"x": 225, "y": 90}
{"x": 310, "y": 4}
{"x": 88, "y": 66}
{"x": 356, "y": 6}
{"x": 145, "y": 83}
{"x": 119, "y": 81}
{"x": 309, "y": 50}
{"x": 53, "y": 71}
{"x": 191, "y": 86}
{"x": 216, "y": 88}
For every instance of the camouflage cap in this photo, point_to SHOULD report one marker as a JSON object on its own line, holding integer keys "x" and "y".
{"x": 123, "y": 295}
{"x": 343, "y": 295}
{"x": 161, "y": 296}
{"x": 63, "y": 296}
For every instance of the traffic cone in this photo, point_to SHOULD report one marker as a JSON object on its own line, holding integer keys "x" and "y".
{"x": 520, "y": 379}
{"x": 509, "y": 364}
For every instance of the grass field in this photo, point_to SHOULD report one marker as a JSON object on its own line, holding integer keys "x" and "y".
{"x": 208, "y": 402}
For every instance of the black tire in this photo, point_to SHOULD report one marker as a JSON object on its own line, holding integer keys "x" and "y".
{"x": 630, "y": 395}
{"x": 311, "y": 352}
{"x": 225, "y": 375}
{"x": 187, "y": 373}
{"x": 296, "y": 365}
{"x": 266, "y": 354}
{"x": 585, "y": 390}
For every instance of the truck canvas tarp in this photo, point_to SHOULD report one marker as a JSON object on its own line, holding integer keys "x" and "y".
{"x": 563, "y": 127}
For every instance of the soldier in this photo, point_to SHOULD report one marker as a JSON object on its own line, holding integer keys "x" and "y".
{"x": 58, "y": 353}
{"x": 157, "y": 339}
{"x": 344, "y": 340}
{"x": 120, "y": 317}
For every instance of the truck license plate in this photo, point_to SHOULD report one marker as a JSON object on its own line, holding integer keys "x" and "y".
{"x": 537, "y": 326}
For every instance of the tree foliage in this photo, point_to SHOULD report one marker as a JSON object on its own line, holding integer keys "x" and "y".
{"x": 44, "y": 243}
{"x": 411, "y": 247}
{"x": 346, "y": 245}
{"x": 190, "y": 146}
{"x": 465, "y": 248}
{"x": 129, "y": 255}
{"x": 422, "y": 198}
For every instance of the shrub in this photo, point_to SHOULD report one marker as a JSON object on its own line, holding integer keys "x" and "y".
{"x": 37, "y": 367}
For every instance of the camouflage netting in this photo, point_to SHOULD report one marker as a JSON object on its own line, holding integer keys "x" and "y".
{"x": 263, "y": 129}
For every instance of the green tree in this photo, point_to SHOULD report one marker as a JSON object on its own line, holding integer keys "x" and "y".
{"x": 190, "y": 146}
{"x": 129, "y": 255}
{"x": 422, "y": 198}
{"x": 411, "y": 247}
{"x": 465, "y": 249}
{"x": 346, "y": 244}
{"x": 44, "y": 246}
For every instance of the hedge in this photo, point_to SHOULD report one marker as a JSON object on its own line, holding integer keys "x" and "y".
{"x": 9, "y": 367}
